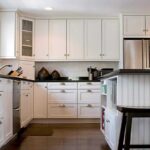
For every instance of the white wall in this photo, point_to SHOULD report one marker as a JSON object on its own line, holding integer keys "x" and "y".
{"x": 73, "y": 69}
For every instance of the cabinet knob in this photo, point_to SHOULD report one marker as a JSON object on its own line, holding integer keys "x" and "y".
{"x": 47, "y": 55}
{"x": 89, "y": 83}
{"x": 68, "y": 54}
{"x": 27, "y": 95}
{"x": 46, "y": 87}
{"x": 62, "y": 83}
{"x": 89, "y": 105}
{"x": 0, "y": 122}
{"x": 89, "y": 91}
{"x": 63, "y": 91}
{"x": 63, "y": 105}
{"x": 144, "y": 30}
{"x": 65, "y": 54}
{"x": 0, "y": 94}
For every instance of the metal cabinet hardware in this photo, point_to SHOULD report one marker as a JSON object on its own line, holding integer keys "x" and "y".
{"x": 108, "y": 121}
{"x": 0, "y": 122}
{"x": 89, "y": 105}
{"x": 89, "y": 91}
{"x": 62, "y": 105}
{"x": 27, "y": 95}
{"x": 63, "y": 91}
{"x": 62, "y": 83}
{"x": 89, "y": 83}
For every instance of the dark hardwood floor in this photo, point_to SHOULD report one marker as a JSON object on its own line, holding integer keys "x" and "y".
{"x": 63, "y": 138}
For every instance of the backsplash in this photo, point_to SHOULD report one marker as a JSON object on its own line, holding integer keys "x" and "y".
{"x": 73, "y": 69}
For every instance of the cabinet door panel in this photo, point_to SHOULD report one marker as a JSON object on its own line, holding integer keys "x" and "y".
{"x": 62, "y": 96}
{"x": 7, "y": 35}
{"x": 88, "y": 111}
{"x": 134, "y": 25}
{"x": 57, "y": 39}
{"x": 62, "y": 111}
{"x": 40, "y": 100}
{"x": 89, "y": 96}
{"x": 93, "y": 39}
{"x": 75, "y": 39}
{"x": 1, "y": 132}
{"x": 148, "y": 25}
{"x": 41, "y": 39}
{"x": 110, "y": 39}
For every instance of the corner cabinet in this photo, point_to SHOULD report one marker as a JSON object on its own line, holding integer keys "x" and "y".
{"x": 8, "y": 34}
{"x": 26, "y": 39}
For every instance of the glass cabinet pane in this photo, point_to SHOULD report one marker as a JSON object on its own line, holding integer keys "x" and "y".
{"x": 27, "y": 25}
{"x": 27, "y": 38}
{"x": 26, "y": 51}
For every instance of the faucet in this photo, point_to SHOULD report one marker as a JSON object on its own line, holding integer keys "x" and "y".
{"x": 5, "y": 66}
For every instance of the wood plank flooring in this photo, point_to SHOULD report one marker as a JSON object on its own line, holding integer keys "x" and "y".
{"x": 63, "y": 138}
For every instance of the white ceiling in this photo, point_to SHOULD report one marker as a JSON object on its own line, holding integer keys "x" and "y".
{"x": 77, "y": 7}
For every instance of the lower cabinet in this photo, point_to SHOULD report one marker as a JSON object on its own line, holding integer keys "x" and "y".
{"x": 1, "y": 131}
{"x": 88, "y": 111}
{"x": 62, "y": 110}
{"x": 26, "y": 105}
{"x": 40, "y": 100}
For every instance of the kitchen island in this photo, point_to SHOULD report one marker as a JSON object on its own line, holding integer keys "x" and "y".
{"x": 125, "y": 87}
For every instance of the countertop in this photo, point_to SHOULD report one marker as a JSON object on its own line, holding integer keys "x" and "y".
{"x": 36, "y": 80}
{"x": 126, "y": 71}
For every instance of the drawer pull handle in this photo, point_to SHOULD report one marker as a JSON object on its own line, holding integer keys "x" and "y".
{"x": 108, "y": 121}
{"x": 89, "y": 105}
{"x": 27, "y": 95}
{"x": 62, "y": 105}
{"x": 62, "y": 83}
{"x": 89, "y": 91}
{"x": 63, "y": 91}
{"x": 0, "y": 122}
{"x": 89, "y": 83}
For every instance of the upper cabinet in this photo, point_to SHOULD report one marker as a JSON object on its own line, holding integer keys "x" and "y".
{"x": 57, "y": 39}
{"x": 41, "y": 39}
{"x": 26, "y": 38}
{"x": 93, "y": 39}
{"x": 8, "y": 36}
{"x": 136, "y": 26}
{"x": 75, "y": 39}
{"x": 110, "y": 39}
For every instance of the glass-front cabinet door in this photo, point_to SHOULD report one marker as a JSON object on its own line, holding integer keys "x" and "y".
{"x": 26, "y": 38}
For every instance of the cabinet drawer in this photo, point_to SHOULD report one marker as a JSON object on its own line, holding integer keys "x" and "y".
{"x": 25, "y": 85}
{"x": 88, "y": 111}
{"x": 89, "y": 96}
{"x": 62, "y": 85}
{"x": 89, "y": 85}
{"x": 62, "y": 96}
{"x": 62, "y": 110}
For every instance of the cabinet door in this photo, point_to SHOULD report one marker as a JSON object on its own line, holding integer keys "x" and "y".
{"x": 8, "y": 100}
{"x": 75, "y": 39}
{"x": 7, "y": 34}
{"x": 1, "y": 132}
{"x": 40, "y": 100}
{"x": 62, "y": 110}
{"x": 89, "y": 96}
{"x": 2, "y": 103}
{"x": 88, "y": 111}
{"x": 25, "y": 109}
{"x": 28, "y": 69}
{"x": 26, "y": 38}
{"x": 57, "y": 39}
{"x": 110, "y": 39}
{"x": 93, "y": 39}
{"x": 134, "y": 25}
{"x": 147, "y": 26}
{"x": 62, "y": 96}
{"x": 41, "y": 39}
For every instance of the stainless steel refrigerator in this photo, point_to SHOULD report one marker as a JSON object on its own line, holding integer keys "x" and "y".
{"x": 136, "y": 54}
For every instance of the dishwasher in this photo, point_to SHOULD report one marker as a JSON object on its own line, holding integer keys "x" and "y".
{"x": 16, "y": 106}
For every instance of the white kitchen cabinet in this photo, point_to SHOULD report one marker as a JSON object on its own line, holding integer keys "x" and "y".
{"x": 8, "y": 36}
{"x": 57, "y": 40}
{"x": 1, "y": 131}
{"x": 147, "y": 26}
{"x": 89, "y": 100}
{"x": 62, "y": 96}
{"x": 110, "y": 39}
{"x": 26, "y": 104}
{"x": 75, "y": 39}
{"x": 89, "y": 96}
{"x": 88, "y": 110}
{"x": 40, "y": 100}
{"x": 134, "y": 25}
{"x": 93, "y": 39}
{"x": 28, "y": 69}
{"x": 1, "y": 103}
{"x": 26, "y": 39}
{"x": 41, "y": 40}
{"x": 62, "y": 110}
